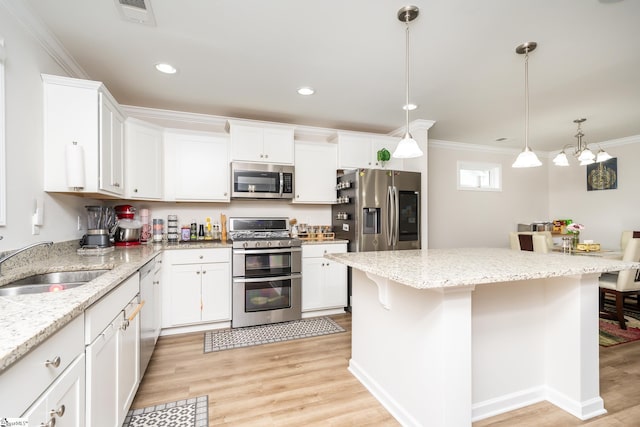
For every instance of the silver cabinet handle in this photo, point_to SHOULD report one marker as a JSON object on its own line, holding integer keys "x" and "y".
{"x": 197, "y": 272}
{"x": 204, "y": 271}
{"x": 50, "y": 423}
{"x": 135, "y": 190}
{"x": 55, "y": 362}
{"x": 59, "y": 412}
{"x": 124, "y": 325}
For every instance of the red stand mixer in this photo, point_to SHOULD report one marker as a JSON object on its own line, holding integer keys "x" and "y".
{"x": 128, "y": 229}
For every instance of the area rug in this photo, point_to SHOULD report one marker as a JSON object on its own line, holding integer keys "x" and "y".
{"x": 225, "y": 339}
{"x": 192, "y": 412}
{"x": 610, "y": 332}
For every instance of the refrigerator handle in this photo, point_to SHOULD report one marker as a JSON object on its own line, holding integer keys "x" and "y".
{"x": 396, "y": 216}
{"x": 388, "y": 224}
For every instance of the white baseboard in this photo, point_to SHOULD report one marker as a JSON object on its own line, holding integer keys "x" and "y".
{"x": 378, "y": 392}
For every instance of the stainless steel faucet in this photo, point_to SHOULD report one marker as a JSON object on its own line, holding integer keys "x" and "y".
{"x": 12, "y": 254}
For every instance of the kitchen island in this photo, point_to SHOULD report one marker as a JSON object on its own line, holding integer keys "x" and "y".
{"x": 444, "y": 337}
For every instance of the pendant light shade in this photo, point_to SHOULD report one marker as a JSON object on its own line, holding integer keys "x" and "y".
{"x": 526, "y": 159}
{"x": 407, "y": 147}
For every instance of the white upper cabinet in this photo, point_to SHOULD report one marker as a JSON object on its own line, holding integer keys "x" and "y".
{"x": 315, "y": 172}
{"x": 196, "y": 166}
{"x": 143, "y": 158}
{"x": 84, "y": 112}
{"x": 258, "y": 143}
{"x": 360, "y": 150}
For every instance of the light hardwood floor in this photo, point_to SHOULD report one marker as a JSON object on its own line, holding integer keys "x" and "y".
{"x": 305, "y": 382}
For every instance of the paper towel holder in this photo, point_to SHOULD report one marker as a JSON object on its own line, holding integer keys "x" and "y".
{"x": 75, "y": 166}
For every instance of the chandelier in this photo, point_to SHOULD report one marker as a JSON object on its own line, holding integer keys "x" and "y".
{"x": 580, "y": 151}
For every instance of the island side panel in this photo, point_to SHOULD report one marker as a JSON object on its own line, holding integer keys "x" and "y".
{"x": 536, "y": 340}
{"x": 415, "y": 355}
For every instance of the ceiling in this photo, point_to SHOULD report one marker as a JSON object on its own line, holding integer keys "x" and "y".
{"x": 247, "y": 58}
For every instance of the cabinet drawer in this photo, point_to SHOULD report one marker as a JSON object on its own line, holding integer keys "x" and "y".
{"x": 314, "y": 251}
{"x": 22, "y": 383}
{"x": 197, "y": 256}
{"x": 100, "y": 314}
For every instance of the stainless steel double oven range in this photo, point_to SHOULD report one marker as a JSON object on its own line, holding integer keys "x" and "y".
{"x": 267, "y": 279}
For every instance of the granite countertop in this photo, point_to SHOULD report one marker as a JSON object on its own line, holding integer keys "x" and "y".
{"x": 439, "y": 268}
{"x": 28, "y": 320}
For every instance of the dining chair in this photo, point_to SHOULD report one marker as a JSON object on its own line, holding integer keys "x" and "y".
{"x": 625, "y": 283}
{"x": 536, "y": 241}
{"x": 626, "y": 236}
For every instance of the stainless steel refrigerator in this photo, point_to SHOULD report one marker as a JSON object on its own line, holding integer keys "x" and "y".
{"x": 378, "y": 210}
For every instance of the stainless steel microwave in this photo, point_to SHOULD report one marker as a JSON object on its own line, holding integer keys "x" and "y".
{"x": 261, "y": 181}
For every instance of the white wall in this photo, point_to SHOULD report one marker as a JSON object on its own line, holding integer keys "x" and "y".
{"x": 25, "y": 61}
{"x": 484, "y": 219}
{"x": 604, "y": 213}
{"x": 480, "y": 218}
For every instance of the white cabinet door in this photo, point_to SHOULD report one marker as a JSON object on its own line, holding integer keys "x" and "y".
{"x": 261, "y": 144}
{"x": 324, "y": 282}
{"x": 312, "y": 281}
{"x": 111, "y": 147}
{"x": 216, "y": 292}
{"x": 247, "y": 144}
{"x": 143, "y": 155}
{"x": 334, "y": 289}
{"x": 102, "y": 377}
{"x": 196, "y": 167}
{"x": 357, "y": 151}
{"x": 278, "y": 145}
{"x": 184, "y": 298}
{"x": 315, "y": 172}
{"x": 63, "y": 401}
{"x": 354, "y": 152}
{"x": 84, "y": 112}
{"x": 128, "y": 359}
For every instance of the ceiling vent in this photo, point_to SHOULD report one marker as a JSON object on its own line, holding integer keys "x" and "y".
{"x": 138, "y": 11}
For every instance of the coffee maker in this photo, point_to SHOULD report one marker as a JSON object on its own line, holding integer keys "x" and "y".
{"x": 99, "y": 221}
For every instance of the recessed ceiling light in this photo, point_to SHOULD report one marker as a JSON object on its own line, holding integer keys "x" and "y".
{"x": 306, "y": 90}
{"x": 409, "y": 107}
{"x": 166, "y": 68}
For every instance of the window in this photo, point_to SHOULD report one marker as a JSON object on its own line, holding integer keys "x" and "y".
{"x": 478, "y": 176}
{"x": 3, "y": 169}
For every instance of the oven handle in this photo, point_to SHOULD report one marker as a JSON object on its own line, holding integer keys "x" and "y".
{"x": 267, "y": 250}
{"x": 266, "y": 279}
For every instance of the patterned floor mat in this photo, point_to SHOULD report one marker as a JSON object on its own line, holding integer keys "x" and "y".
{"x": 225, "y": 339}
{"x": 192, "y": 412}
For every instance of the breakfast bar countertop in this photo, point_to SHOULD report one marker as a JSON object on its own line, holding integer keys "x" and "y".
{"x": 440, "y": 268}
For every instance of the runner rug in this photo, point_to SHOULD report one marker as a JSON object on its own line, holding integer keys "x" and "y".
{"x": 224, "y": 339}
{"x": 610, "y": 331}
{"x": 192, "y": 412}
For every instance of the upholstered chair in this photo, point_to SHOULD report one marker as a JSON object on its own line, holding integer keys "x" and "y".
{"x": 625, "y": 283}
{"x": 536, "y": 241}
{"x": 626, "y": 236}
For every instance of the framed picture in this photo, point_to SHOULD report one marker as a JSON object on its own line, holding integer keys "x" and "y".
{"x": 603, "y": 175}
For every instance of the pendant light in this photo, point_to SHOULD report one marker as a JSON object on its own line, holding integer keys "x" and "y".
{"x": 407, "y": 147}
{"x": 526, "y": 159}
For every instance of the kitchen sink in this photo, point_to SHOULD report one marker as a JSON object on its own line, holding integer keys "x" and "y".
{"x": 50, "y": 282}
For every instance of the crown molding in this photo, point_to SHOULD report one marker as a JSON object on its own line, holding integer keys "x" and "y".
{"x": 34, "y": 25}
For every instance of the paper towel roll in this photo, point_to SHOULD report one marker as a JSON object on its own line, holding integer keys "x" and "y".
{"x": 75, "y": 165}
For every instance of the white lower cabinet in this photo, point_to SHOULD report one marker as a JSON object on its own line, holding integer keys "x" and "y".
{"x": 324, "y": 282}
{"x": 112, "y": 332}
{"x": 62, "y": 404}
{"x": 196, "y": 286}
